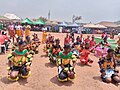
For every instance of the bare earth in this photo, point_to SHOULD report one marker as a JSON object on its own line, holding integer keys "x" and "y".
{"x": 43, "y": 75}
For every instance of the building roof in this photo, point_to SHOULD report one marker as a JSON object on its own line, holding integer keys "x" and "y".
{"x": 108, "y": 24}
{"x": 3, "y": 18}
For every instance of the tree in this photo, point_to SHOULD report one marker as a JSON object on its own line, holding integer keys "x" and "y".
{"x": 42, "y": 18}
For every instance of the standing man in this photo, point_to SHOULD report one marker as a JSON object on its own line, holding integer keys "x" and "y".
{"x": 11, "y": 31}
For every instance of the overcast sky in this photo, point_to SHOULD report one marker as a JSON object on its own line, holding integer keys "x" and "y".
{"x": 63, "y": 10}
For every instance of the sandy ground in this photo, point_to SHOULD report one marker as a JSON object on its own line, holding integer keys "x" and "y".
{"x": 43, "y": 75}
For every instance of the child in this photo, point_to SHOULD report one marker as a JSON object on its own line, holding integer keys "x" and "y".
{"x": 107, "y": 66}
{"x": 117, "y": 51}
{"x": 19, "y": 63}
{"x": 84, "y": 55}
{"x": 54, "y": 51}
{"x": 65, "y": 69}
{"x": 92, "y": 43}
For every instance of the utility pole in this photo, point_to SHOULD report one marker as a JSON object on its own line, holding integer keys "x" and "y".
{"x": 49, "y": 15}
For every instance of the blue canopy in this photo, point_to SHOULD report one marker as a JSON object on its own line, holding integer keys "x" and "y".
{"x": 63, "y": 24}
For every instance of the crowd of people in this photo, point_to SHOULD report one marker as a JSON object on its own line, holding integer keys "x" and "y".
{"x": 23, "y": 48}
{"x": 65, "y": 58}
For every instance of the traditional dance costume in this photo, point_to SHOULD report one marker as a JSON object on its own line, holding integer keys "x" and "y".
{"x": 27, "y": 30}
{"x": 109, "y": 67}
{"x": 19, "y": 62}
{"x": 54, "y": 53}
{"x": 65, "y": 61}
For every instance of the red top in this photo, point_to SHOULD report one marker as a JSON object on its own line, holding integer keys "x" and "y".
{"x": 87, "y": 40}
{"x": 66, "y": 41}
{"x": 92, "y": 43}
{"x": 2, "y": 39}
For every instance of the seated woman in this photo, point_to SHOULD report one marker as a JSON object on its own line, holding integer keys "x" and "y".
{"x": 92, "y": 43}
{"x": 66, "y": 71}
{"x": 35, "y": 37}
{"x": 54, "y": 51}
{"x": 107, "y": 66}
{"x": 19, "y": 62}
{"x": 15, "y": 45}
{"x": 28, "y": 45}
{"x": 84, "y": 55}
{"x": 105, "y": 43}
{"x": 35, "y": 43}
{"x": 48, "y": 45}
{"x": 117, "y": 51}
{"x": 76, "y": 48}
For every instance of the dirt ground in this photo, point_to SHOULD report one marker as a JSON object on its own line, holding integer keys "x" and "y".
{"x": 43, "y": 75}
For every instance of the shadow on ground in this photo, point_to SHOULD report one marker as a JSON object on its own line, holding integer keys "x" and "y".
{"x": 82, "y": 65}
{"x": 20, "y": 81}
{"x": 43, "y": 56}
{"x": 98, "y": 78}
{"x": 6, "y": 81}
{"x": 55, "y": 81}
{"x": 51, "y": 65}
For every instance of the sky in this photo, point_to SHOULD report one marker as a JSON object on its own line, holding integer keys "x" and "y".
{"x": 62, "y": 10}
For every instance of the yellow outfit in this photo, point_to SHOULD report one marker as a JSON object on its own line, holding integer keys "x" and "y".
{"x": 19, "y": 31}
{"x": 27, "y": 30}
{"x": 44, "y": 37}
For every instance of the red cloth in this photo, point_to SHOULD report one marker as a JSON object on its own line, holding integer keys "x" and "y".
{"x": 92, "y": 43}
{"x": 5, "y": 37}
{"x": 2, "y": 39}
{"x": 87, "y": 40}
{"x": 66, "y": 41}
{"x": 84, "y": 55}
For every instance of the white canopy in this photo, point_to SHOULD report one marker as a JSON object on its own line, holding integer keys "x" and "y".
{"x": 94, "y": 26}
{"x": 73, "y": 25}
{"x": 12, "y": 16}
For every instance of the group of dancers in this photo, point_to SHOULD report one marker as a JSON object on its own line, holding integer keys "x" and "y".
{"x": 65, "y": 58}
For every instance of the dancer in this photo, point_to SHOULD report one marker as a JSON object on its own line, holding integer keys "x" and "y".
{"x": 54, "y": 51}
{"x": 27, "y": 30}
{"x": 108, "y": 69}
{"x": 19, "y": 62}
{"x": 84, "y": 55}
{"x": 66, "y": 71}
{"x": 117, "y": 51}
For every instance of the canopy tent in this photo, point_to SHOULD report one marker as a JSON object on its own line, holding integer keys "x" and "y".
{"x": 39, "y": 21}
{"x": 54, "y": 23}
{"x": 48, "y": 22}
{"x": 12, "y": 16}
{"x": 63, "y": 24}
{"x": 100, "y": 26}
{"x": 27, "y": 20}
{"x": 73, "y": 25}
{"x": 2, "y": 18}
{"x": 51, "y": 22}
{"x": 94, "y": 26}
{"x": 1, "y": 26}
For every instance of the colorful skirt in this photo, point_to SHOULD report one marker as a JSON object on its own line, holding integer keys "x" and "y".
{"x": 27, "y": 32}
